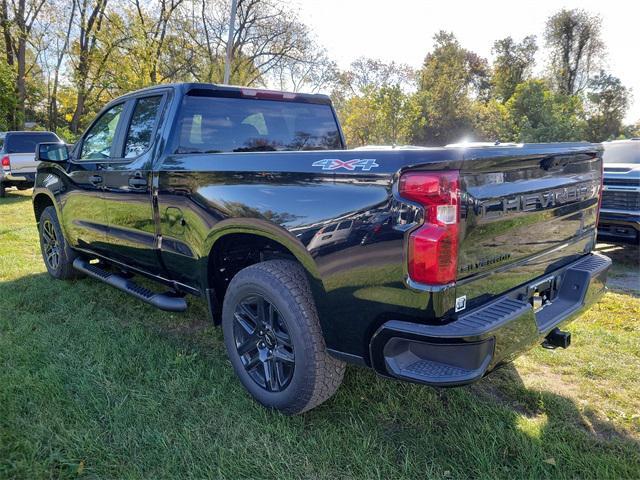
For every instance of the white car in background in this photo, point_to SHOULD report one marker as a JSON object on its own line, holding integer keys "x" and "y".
{"x": 620, "y": 208}
{"x": 17, "y": 158}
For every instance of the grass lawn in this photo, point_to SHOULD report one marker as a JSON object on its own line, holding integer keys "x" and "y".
{"x": 94, "y": 384}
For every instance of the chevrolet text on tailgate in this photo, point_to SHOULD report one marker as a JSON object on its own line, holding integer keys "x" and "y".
{"x": 431, "y": 265}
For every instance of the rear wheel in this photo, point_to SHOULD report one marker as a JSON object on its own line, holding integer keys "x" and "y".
{"x": 57, "y": 255}
{"x": 273, "y": 338}
{"x": 3, "y": 190}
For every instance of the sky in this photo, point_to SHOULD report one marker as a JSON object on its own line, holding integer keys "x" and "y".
{"x": 402, "y": 30}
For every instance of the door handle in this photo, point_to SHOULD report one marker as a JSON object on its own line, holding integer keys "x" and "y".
{"x": 137, "y": 182}
{"x": 95, "y": 179}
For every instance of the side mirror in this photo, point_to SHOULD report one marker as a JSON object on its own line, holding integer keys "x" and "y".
{"x": 52, "y": 152}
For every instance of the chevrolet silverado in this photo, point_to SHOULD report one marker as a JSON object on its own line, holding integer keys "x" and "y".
{"x": 428, "y": 265}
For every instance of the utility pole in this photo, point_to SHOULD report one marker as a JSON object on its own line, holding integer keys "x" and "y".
{"x": 232, "y": 22}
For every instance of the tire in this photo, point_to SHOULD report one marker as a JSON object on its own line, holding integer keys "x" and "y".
{"x": 290, "y": 345}
{"x": 3, "y": 190}
{"x": 53, "y": 245}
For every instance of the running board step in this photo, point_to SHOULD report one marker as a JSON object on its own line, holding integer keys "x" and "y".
{"x": 163, "y": 301}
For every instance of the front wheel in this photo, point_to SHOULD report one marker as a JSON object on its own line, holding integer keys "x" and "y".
{"x": 57, "y": 255}
{"x": 273, "y": 338}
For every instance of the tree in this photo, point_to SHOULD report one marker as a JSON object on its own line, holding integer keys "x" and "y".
{"x": 58, "y": 34}
{"x": 492, "y": 122}
{"x": 312, "y": 74}
{"x": 631, "y": 131}
{"x": 449, "y": 80}
{"x": 608, "y": 101}
{"x": 381, "y": 115}
{"x": 268, "y": 38}
{"x": 17, "y": 24}
{"x": 576, "y": 49}
{"x": 541, "y": 115}
{"x": 154, "y": 23}
{"x": 369, "y": 74}
{"x": 89, "y": 54}
{"x": 512, "y": 65}
{"x": 8, "y": 99}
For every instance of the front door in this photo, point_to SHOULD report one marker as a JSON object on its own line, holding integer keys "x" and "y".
{"x": 84, "y": 216}
{"x": 127, "y": 180}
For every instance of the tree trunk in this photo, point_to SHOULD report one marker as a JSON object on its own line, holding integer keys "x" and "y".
{"x": 21, "y": 87}
{"x": 77, "y": 115}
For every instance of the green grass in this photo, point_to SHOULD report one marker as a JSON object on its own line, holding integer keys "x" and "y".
{"x": 96, "y": 385}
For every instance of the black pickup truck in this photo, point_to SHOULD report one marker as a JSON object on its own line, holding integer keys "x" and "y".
{"x": 432, "y": 265}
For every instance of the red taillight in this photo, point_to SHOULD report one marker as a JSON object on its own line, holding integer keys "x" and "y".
{"x": 6, "y": 162}
{"x": 433, "y": 247}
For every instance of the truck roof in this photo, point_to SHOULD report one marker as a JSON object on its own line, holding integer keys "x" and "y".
{"x": 239, "y": 91}
{"x": 13, "y": 132}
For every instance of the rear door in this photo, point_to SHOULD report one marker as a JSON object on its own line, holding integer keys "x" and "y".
{"x": 526, "y": 211}
{"x": 127, "y": 179}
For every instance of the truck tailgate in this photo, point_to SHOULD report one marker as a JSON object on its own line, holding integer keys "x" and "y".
{"x": 525, "y": 215}
{"x": 22, "y": 163}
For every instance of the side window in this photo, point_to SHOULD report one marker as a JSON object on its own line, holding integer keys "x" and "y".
{"x": 98, "y": 140}
{"x": 143, "y": 122}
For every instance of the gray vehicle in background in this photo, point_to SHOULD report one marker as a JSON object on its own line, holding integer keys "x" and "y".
{"x": 17, "y": 158}
{"x": 620, "y": 209}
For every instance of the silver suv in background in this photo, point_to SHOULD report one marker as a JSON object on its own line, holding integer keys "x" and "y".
{"x": 17, "y": 158}
{"x": 620, "y": 210}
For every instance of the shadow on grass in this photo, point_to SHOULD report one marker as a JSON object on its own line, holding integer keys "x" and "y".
{"x": 625, "y": 270}
{"x": 623, "y": 254}
{"x": 168, "y": 376}
{"x": 15, "y": 196}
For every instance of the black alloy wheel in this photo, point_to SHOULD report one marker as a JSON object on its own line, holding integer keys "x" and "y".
{"x": 263, "y": 343}
{"x": 51, "y": 245}
{"x": 274, "y": 340}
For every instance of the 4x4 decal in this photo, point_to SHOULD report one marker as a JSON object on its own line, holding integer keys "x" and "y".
{"x": 365, "y": 164}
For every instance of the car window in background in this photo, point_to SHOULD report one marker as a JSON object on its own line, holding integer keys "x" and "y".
{"x": 143, "y": 122}
{"x": 26, "y": 142}
{"x": 98, "y": 140}
{"x": 621, "y": 152}
{"x": 217, "y": 124}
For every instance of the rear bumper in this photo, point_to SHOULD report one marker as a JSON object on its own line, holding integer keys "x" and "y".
{"x": 466, "y": 349}
{"x": 18, "y": 177}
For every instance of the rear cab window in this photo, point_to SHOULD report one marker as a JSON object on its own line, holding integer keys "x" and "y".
{"x": 26, "y": 142}
{"x": 142, "y": 126}
{"x": 210, "y": 124}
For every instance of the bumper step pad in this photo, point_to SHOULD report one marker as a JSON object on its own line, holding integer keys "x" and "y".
{"x": 163, "y": 301}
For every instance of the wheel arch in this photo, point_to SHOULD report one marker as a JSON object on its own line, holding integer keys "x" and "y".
{"x": 42, "y": 199}
{"x": 263, "y": 240}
